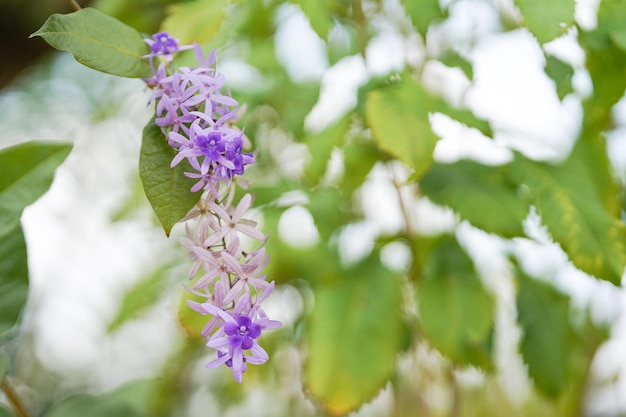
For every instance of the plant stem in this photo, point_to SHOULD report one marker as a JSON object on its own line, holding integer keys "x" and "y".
{"x": 75, "y": 5}
{"x": 13, "y": 398}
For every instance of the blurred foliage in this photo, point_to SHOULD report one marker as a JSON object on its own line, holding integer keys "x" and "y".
{"x": 364, "y": 326}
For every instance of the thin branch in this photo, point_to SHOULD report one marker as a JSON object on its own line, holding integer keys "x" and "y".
{"x": 75, "y": 5}
{"x": 13, "y": 398}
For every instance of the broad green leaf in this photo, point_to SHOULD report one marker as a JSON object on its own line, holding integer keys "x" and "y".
{"x": 195, "y": 21}
{"x": 398, "y": 116}
{"x": 423, "y": 13}
{"x": 13, "y": 277}
{"x": 456, "y": 312}
{"x": 321, "y": 146}
{"x": 605, "y": 61}
{"x": 354, "y": 334}
{"x": 561, "y": 73}
{"x": 453, "y": 59}
{"x": 480, "y": 194}
{"x": 543, "y": 315}
{"x": 143, "y": 295}
{"x": 573, "y": 211}
{"x": 26, "y": 171}
{"x": 98, "y": 41}
{"x": 167, "y": 189}
{"x": 546, "y": 20}
{"x": 319, "y": 14}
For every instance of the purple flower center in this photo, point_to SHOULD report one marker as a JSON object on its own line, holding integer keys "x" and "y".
{"x": 164, "y": 44}
{"x": 211, "y": 145}
{"x": 242, "y": 334}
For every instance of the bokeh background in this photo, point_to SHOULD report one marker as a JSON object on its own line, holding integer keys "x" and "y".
{"x": 103, "y": 309}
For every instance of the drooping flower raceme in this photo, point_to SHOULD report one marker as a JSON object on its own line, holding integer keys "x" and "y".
{"x": 195, "y": 115}
{"x": 197, "y": 120}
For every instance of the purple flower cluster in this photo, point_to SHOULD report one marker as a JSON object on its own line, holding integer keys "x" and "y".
{"x": 196, "y": 118}
{"x": 195, "y": 115}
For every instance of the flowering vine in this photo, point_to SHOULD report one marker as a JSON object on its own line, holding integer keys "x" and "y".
{"x": 197, "y": 120}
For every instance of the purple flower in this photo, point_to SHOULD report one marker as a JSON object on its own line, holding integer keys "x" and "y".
{"x": 212, "y": 145}
{"x": 242, "y": 333}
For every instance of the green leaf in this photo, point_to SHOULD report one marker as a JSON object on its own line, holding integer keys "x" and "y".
{"x": 480, "y": 194}
{"x": 354, "y": 334}
{"x": 129, "y": 400}
{"x": 143, "y": 295}
{"x": 605, "y": 61}
{"x": 318, "y": 13}
{"x": 13, "y": 277}
{"x": 359, "y": 157}
{"x": 561, "y": 73}
{"x": 98, "y": 41}
{"x": 543, "y": 315}
{"x": 464, "y": 116}
{"x": 547, "y": 20}
{"x": 575, "y": 214}
{"x": 398, "y": 116}
{"x": 456, "y": 312}
{"x": 453, "y": 59}
{"x": 195, "y": 21}
{"x": 330, "y": 210}
{"x": 167, "y": 189}
{"x": 423, "y": 13}
{"x": 27, "y": 172}
{"x": 321, "y": 146}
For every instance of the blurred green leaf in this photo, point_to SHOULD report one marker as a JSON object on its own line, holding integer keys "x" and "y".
{"x": 605, "y": 61}
{"x": 140, "y": 297}
{"x": 354, "y": 334}
{"x": 190, "y": 321}
{"x": 561, "y": 73}
{"x": 330, "y": 209}
{"x": 480, "y": 194}
{"x": 456, "y": 312}
{"x": 543, "y": 315}
{"x": 398, "y": 116}
{"x": 167, "y": 189}
{"x": 321, "y": 145}
{"x": 195, "y": 21}
{"x": 144, "y": 15}
{"x": 546, "y": 20}
{"x": 573, "y": 211}
{"x": 98, "y": 41}
{"x": 5, "y": 412}
{"x": 423, "y": 13}
{"x": 319, "y": 15}
{"x": 453, "y": 59}
{"x": 465, "y": 116}
{"x": 359, "y": 157}
{"x": 27, "y": 171}
{"x": 13, "y": 277}
{"x": 129, "y": 400}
